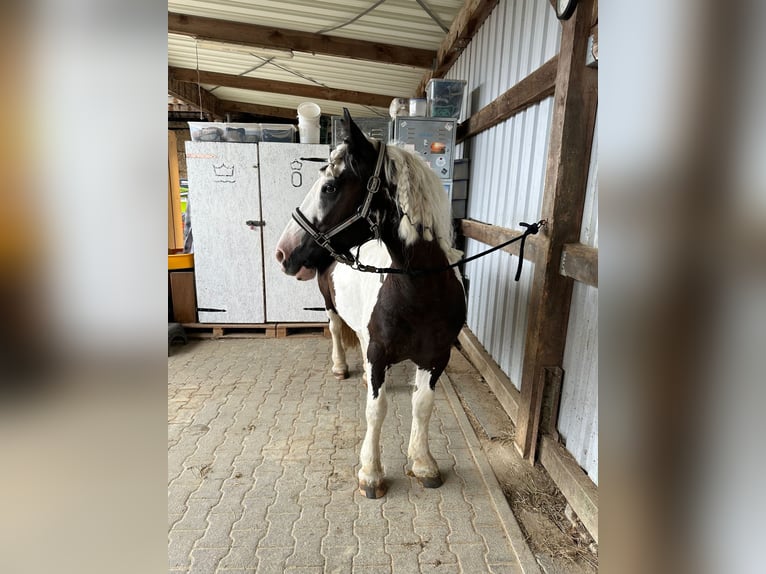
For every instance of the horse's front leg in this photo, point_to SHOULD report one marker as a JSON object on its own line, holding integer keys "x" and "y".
{"x": 339, "y": 366}
{"x": 371, "y": 480}
{"x": 424, "y": 467}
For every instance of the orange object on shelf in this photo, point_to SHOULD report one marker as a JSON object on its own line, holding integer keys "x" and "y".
{"x": 180, "y": 261}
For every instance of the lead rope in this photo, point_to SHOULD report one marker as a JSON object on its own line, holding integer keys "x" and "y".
{"x": 530, "y": 229}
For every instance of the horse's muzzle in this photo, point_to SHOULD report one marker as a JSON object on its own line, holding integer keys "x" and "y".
{"x": 302, "y": 274}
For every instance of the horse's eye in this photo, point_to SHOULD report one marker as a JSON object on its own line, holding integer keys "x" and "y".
{"x": 329, "y": 188}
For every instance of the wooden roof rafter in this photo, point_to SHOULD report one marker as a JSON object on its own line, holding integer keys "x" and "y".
{"x": 217, "y": 108}
{"x": 198, "y": 98}
{"x": 465, "y": 25}
{"x": 278, "y": 87}
{"x": 279, "y": 38}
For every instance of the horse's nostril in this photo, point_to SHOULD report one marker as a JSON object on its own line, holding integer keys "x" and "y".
{"x": 280, "y": 255}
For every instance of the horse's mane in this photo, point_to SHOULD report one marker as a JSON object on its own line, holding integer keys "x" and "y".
{"x": 423, "y": 204}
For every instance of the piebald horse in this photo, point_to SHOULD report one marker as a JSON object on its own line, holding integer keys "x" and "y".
{"x": 379, "y": 205}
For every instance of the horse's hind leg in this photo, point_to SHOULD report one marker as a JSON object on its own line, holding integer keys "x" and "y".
{"x": 371, "y": 481}
{"x": 424, "y": 467}
{"x": 339, "y": 366}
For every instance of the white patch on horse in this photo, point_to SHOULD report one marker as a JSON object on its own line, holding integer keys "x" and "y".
{"x": 339, "y": 365}
{"x": 423, "y": 464}
{"x": 371, "y": 472}
{"x": 357, "y": 293}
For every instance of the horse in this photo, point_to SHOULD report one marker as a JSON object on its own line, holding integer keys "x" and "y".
{"x": 379, "y": 207}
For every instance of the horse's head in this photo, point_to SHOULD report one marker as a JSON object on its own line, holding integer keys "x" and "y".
{"x": 328, "y": 211}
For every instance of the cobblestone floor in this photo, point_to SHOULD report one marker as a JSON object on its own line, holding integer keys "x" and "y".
{"x": 262, "y": 456}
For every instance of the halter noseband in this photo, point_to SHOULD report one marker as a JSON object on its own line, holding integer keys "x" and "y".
{"x": 323, "y": 239}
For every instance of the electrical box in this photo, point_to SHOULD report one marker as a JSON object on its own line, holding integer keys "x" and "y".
{"x": 432, "y": 138}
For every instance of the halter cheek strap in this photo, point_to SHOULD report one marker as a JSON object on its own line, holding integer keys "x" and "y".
{"x": 363, "y": 213}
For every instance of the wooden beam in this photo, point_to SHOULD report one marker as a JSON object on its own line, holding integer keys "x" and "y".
{"x": 574, "y": 111}
{"x": 580, "y": 262}
{"x": 190, "y": 94}
{"x": 282, "y": 39}
{"x": 278, "y": 87}
{"x": 493, "y": 235}
{"x": 536, "y": 86}
{"x": 465, "y": 25}
{"x": 231, "y": 106}
{"x": 579, "y": 490}
{"x": 498, "y": 381}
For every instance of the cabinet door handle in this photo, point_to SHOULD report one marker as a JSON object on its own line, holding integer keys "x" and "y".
{"x": 255, "y": 223}
{"x": 209, "y": 310}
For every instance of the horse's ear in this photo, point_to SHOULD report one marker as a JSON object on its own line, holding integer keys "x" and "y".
{"x": 358, "y": 144}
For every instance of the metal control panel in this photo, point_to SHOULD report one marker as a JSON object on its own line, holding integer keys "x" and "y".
{"x": 432, "y": 138}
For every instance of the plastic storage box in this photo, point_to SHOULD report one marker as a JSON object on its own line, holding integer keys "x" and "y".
{"x": 284, "y": 133}
{"x": 242, "y": 133}
{"x": 207, "y": 131}
{"x": 445, "y": 98}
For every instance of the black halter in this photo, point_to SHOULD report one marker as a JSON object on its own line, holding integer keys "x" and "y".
{"x": 323, "y": 239}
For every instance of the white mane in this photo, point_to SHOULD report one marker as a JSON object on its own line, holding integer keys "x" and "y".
{"x": 423, "y": 202}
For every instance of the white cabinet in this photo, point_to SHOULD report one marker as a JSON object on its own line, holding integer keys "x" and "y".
{"x": 238, "y": 278}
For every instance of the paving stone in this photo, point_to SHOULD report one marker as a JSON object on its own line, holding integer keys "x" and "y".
{"x": 195, "y": 517}
{"x": 470, "y": 557}
{"x": 404, "y": 557}
{"x": 272, "y": 560}
{"x": 241, "y": 557}
{"x": 205, "y": 560}
{"x": 180, "y": 544}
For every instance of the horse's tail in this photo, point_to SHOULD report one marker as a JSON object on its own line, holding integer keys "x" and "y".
{"x": 348, "y": 336}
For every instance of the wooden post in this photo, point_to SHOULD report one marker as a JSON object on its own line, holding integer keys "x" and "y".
{"x": 175, "y": 224}
{"x": 574, "y": 111}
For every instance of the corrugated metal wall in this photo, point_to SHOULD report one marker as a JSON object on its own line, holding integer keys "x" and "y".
{"x": 507, "y": 167}
{"x": 506, "y": 187}
{"x": 578, "y": 415}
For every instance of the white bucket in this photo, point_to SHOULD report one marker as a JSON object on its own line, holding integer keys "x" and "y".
{"x": 308, "y": 122}
{"x": 308, "y": 131}
{"x": 309, "y": 111}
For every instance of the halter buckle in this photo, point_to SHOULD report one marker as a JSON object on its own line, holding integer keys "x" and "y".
{"x": 373, "y": 184}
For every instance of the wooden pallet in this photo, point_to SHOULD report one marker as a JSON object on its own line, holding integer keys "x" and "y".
{"x": 255, "y": 330}
{"x": 302, "y": 330}
{"x": 230, "y": 330}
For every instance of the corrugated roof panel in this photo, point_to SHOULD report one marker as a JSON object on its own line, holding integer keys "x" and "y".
{"x": 330, "y": 71}
{"x": 400, "y": 22}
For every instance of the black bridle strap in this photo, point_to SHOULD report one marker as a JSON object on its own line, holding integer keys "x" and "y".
{"x": 323, "y": 239}
{"x": 530, "y": 229}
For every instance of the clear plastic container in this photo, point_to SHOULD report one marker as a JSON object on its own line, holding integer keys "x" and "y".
{"x": 242, "y": 133}
{"x": 278, "y": 133}
{"x": 207, "y": 131}
{"x": 445, "y": 97}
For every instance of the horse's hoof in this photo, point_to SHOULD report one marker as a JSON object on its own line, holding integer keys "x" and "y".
{"x": 430, "y": 481}
{"x": 373, "y": 491}
{"x": 340, "y": 375}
